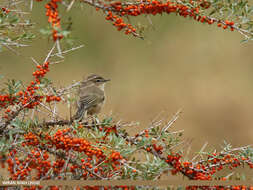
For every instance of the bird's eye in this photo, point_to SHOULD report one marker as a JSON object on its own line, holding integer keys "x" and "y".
{"x": 98, "y": 80}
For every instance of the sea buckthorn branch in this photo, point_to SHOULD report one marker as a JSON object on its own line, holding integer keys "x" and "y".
{"x": 157, "y": 124}
{"x": 41, "y": 159}
{"x": 66, "y": 51}
{"x": 233, "y": 14}
{"x": 75, "y": 163}
{"x": 193, "y": 170}
{"x": 196, "y": 170}
{"x": 54, "y": 123}
{"x": 62, "y": 140}
{"x": 200, "y": 171}
{"x": 225, "y": 157}
{"x": 3, "y": 125}
{"x": 119, "y": 24}
{"x": 155, "y": 150}
{"x": 114, "y": 156}
{"x": 53, "y": 18}
{"x": 226, "y": 150}
{"x": 172, "y": 160}
{"x": 145, "y": 7}
{"x": 30, "y": 97}
{"x": 25, "y": 99}
{"x": 7, "y": 100}
{"x": 14, "y": 26}
{"x": 220, "y": 12}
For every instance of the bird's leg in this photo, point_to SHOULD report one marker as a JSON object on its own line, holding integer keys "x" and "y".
{"x": 85, "y": 115}
{"x": 95, "y": 120}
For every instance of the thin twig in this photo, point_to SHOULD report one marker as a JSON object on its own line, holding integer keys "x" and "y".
{"x": 70, "y": 5}
{"x": 50, "y": 52}
{"x": 34, "y": 61}
{"x": 59, "y": 49}
{"x": 66, "y": 51}
{"x": 201, "y": 150}
{"x": 174, "y": 118}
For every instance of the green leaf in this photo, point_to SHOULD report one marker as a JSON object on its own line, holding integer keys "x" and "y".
{"x": 107, "y": 121}
{"x": 14, "y": 20}
{"x": 65, "y": 33}
{"x": 13, "y": 86}
{"x": 45, "y": 31}
{"x": 28, "y": 36}
{"x": 244, "y": 41}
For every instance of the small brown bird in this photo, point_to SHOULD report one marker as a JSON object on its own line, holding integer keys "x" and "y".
{"x": 91, "y": 96}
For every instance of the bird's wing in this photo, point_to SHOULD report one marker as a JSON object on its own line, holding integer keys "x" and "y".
{"x": 88, "y": 101}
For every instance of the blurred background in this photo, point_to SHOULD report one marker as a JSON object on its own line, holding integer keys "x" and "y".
{"x": 202, "y": 69}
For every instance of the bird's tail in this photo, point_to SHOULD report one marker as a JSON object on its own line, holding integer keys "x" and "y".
{"x": 79, "y": 113}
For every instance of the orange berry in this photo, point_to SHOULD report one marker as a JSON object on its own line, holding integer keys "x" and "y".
{"x": 227, "y": 22}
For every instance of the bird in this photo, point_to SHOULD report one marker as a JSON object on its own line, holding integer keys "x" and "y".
{"x": 91, "y": 96}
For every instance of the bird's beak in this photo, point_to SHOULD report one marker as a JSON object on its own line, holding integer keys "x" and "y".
{"x": 106, "y": 80}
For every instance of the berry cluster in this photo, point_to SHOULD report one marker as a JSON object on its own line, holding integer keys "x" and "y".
{"x": 6, "y": 100}
{"x": 21, "y": 168}
{"x": 53, "y": 18}
{"x": 158, "y": 148}
{"x": 5, "y": 10}
{"x": 205, "y": 170}
{"x": 115, "y": 157}
{"x": 108, "y": 130}
{"x": 53, "y": 98}
{"x": 42, "y": 70}
{"x": 157, "y": 7}
{"x": 119, "y": 24}
{"x": 62, "y": 140}
{"x": 28, "y": 98}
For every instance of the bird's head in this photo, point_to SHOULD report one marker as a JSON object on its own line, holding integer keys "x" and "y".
{"x": 97, "y": 80}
